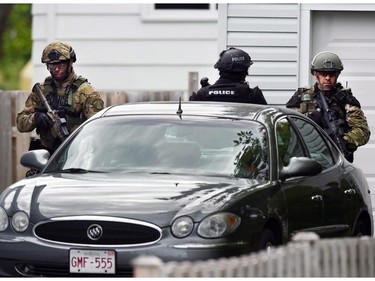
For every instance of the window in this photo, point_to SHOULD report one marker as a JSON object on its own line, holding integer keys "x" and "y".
{"x": 176, "y": 6}
{"x": 168, "y": 145}
{"x": 288, "y": 145}
{"x": 179, "y": 12}
{"x": 315, "y": 143}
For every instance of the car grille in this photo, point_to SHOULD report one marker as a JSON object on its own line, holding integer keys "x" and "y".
{"x": 112, "y": 232}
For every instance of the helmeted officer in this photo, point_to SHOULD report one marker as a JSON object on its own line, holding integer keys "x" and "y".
{"x": 233, "y": 65}
{"x": 71, "y": 97}
{"x": 353, "y": 130}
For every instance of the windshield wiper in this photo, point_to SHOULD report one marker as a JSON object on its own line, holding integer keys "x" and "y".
{"x": 78, "y": 171}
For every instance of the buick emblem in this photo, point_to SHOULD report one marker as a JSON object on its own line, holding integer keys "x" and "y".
{"x": 94, "y": 232}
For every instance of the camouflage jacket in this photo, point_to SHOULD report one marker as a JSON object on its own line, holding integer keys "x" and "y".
{"x": 343, "y": 103}
{"x": 75, "y": 98}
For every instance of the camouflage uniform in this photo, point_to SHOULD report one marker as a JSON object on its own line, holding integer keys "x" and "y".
{"x": 346, "y": 107}
{"x": 73, "y": 99}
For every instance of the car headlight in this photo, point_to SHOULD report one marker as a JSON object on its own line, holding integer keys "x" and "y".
{"x": 218, "y": 225}
{"x": 182, "y": 227}
{"x": 4, "y": 222}
{"x": 20, "y": 221}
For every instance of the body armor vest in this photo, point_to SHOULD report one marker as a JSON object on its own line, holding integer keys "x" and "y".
{"x": 65, "y": 101}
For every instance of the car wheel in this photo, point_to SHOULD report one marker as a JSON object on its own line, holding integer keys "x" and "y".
{"x": 267, "y": 240}
{"x": 360, "y": 229}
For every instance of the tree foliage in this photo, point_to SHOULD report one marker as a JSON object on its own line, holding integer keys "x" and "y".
{"x": 15, "y": 43}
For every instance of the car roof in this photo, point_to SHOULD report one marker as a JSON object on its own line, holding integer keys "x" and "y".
{"x": 222, "y": 109}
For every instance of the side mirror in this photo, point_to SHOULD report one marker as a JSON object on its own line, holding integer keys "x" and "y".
{"x": 35, "y": 159}
{"x": 300, "y": 167}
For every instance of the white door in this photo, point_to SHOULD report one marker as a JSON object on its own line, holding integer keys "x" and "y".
{"x": 351, "y": 35}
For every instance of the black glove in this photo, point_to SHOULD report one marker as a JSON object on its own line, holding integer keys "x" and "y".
{"x": 42, "y": 120}
{"x": 41, "y": 109}
{"x": 317, "y": 117}
{"x": 64, "y": 111}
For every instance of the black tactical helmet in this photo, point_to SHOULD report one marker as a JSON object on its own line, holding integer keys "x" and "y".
{"x": 233, "y": 60}
{"x": 326, "y": 62}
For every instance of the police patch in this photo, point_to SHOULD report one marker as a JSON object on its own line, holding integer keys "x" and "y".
{"x": 221, "y": 92}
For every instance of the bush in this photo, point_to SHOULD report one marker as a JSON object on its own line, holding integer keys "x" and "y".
{"x": 16, "y": 45}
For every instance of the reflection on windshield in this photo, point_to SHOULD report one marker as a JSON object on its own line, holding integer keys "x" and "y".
{"x": 200, "y": 146}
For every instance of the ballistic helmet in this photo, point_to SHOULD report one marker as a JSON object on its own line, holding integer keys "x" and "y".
{"x": 326, "y": 62}
{"x": 58, "y": 51}
{"x": 233, "y": 60}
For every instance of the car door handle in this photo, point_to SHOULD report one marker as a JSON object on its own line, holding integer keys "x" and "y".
{"x": 350, "y": 191}
{"x": 317, "y": 198}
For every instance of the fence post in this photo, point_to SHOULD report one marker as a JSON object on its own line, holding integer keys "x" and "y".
{"x": 310, "y": 263}
{"x": 21, "y": 141}
{"x": 147, "y": 266}
{"x": 193, "y": 84}
{"x": 5, "y": 140}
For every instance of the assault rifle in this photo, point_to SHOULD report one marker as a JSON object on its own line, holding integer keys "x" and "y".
{"x": 58, "y": 129}
{"x": 334, "y": 128}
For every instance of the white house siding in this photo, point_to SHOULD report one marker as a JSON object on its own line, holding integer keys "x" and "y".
{"x": 129, "y": 47}
{"x": 270, "y": 34}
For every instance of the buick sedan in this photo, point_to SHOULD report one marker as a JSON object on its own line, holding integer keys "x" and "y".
{"x": 180, "y": 181}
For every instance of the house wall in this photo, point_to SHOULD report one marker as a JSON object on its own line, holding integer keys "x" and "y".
{"x": 270, "y": 34}
{"x": 129, "y": 47}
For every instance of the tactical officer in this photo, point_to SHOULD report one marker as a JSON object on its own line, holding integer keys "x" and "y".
{"x": 353, "y": 130}
{"x": 71, "y": 97}
{"x": 233, "y": 65}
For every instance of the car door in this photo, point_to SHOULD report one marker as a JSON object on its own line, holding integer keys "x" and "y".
{"x": 303, "y": 195}
{"x": 330, "y": 181}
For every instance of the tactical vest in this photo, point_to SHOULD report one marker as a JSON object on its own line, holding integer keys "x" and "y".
{"x": 336, "y": 102}
{"x": 57, "y": 101}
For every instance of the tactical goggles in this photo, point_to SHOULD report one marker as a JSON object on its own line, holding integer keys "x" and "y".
{"x": 54, "y": 65}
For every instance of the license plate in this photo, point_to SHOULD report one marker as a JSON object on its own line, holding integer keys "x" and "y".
{"x": 92, "y": 261}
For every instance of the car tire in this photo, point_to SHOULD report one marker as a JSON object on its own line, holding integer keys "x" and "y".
{"x": 267, "y": 240}
{"x": 360, "y": 229}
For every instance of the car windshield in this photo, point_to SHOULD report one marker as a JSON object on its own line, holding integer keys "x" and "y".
{"x": 204, "y": 146}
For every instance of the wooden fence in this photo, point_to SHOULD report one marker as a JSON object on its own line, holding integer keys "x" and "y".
{"x": 344, "y": 257}
{"x": 12, "y": 143}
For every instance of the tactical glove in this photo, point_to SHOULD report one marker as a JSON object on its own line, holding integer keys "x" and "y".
{"x": 41, "y": 109}
{"x": 66, "y": 110}
{"x": 42, "y": 120}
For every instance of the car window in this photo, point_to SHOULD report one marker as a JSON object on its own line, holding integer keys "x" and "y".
{"x": 315, "y": 143}
{"x": 169, "y": 145}
{"x": 288, "y": 145}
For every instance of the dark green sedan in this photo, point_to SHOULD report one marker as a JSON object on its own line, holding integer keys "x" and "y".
{"x": 181, "y": 181}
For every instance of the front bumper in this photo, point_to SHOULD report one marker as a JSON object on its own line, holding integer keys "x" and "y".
{"x": 35, "y": 258}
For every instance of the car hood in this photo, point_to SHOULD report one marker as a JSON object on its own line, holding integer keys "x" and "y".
{"x": 147, "y": 197}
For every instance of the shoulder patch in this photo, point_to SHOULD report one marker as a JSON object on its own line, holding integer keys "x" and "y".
{"x": 93, "y": 104}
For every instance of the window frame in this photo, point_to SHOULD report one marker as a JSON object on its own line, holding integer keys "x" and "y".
{"x": 320, "y": 133}
{"x": 297, "y": 135}
{"x": 150, "y": 14}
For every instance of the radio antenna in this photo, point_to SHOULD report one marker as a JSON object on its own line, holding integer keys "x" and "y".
{"x": 179, "y": 111}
